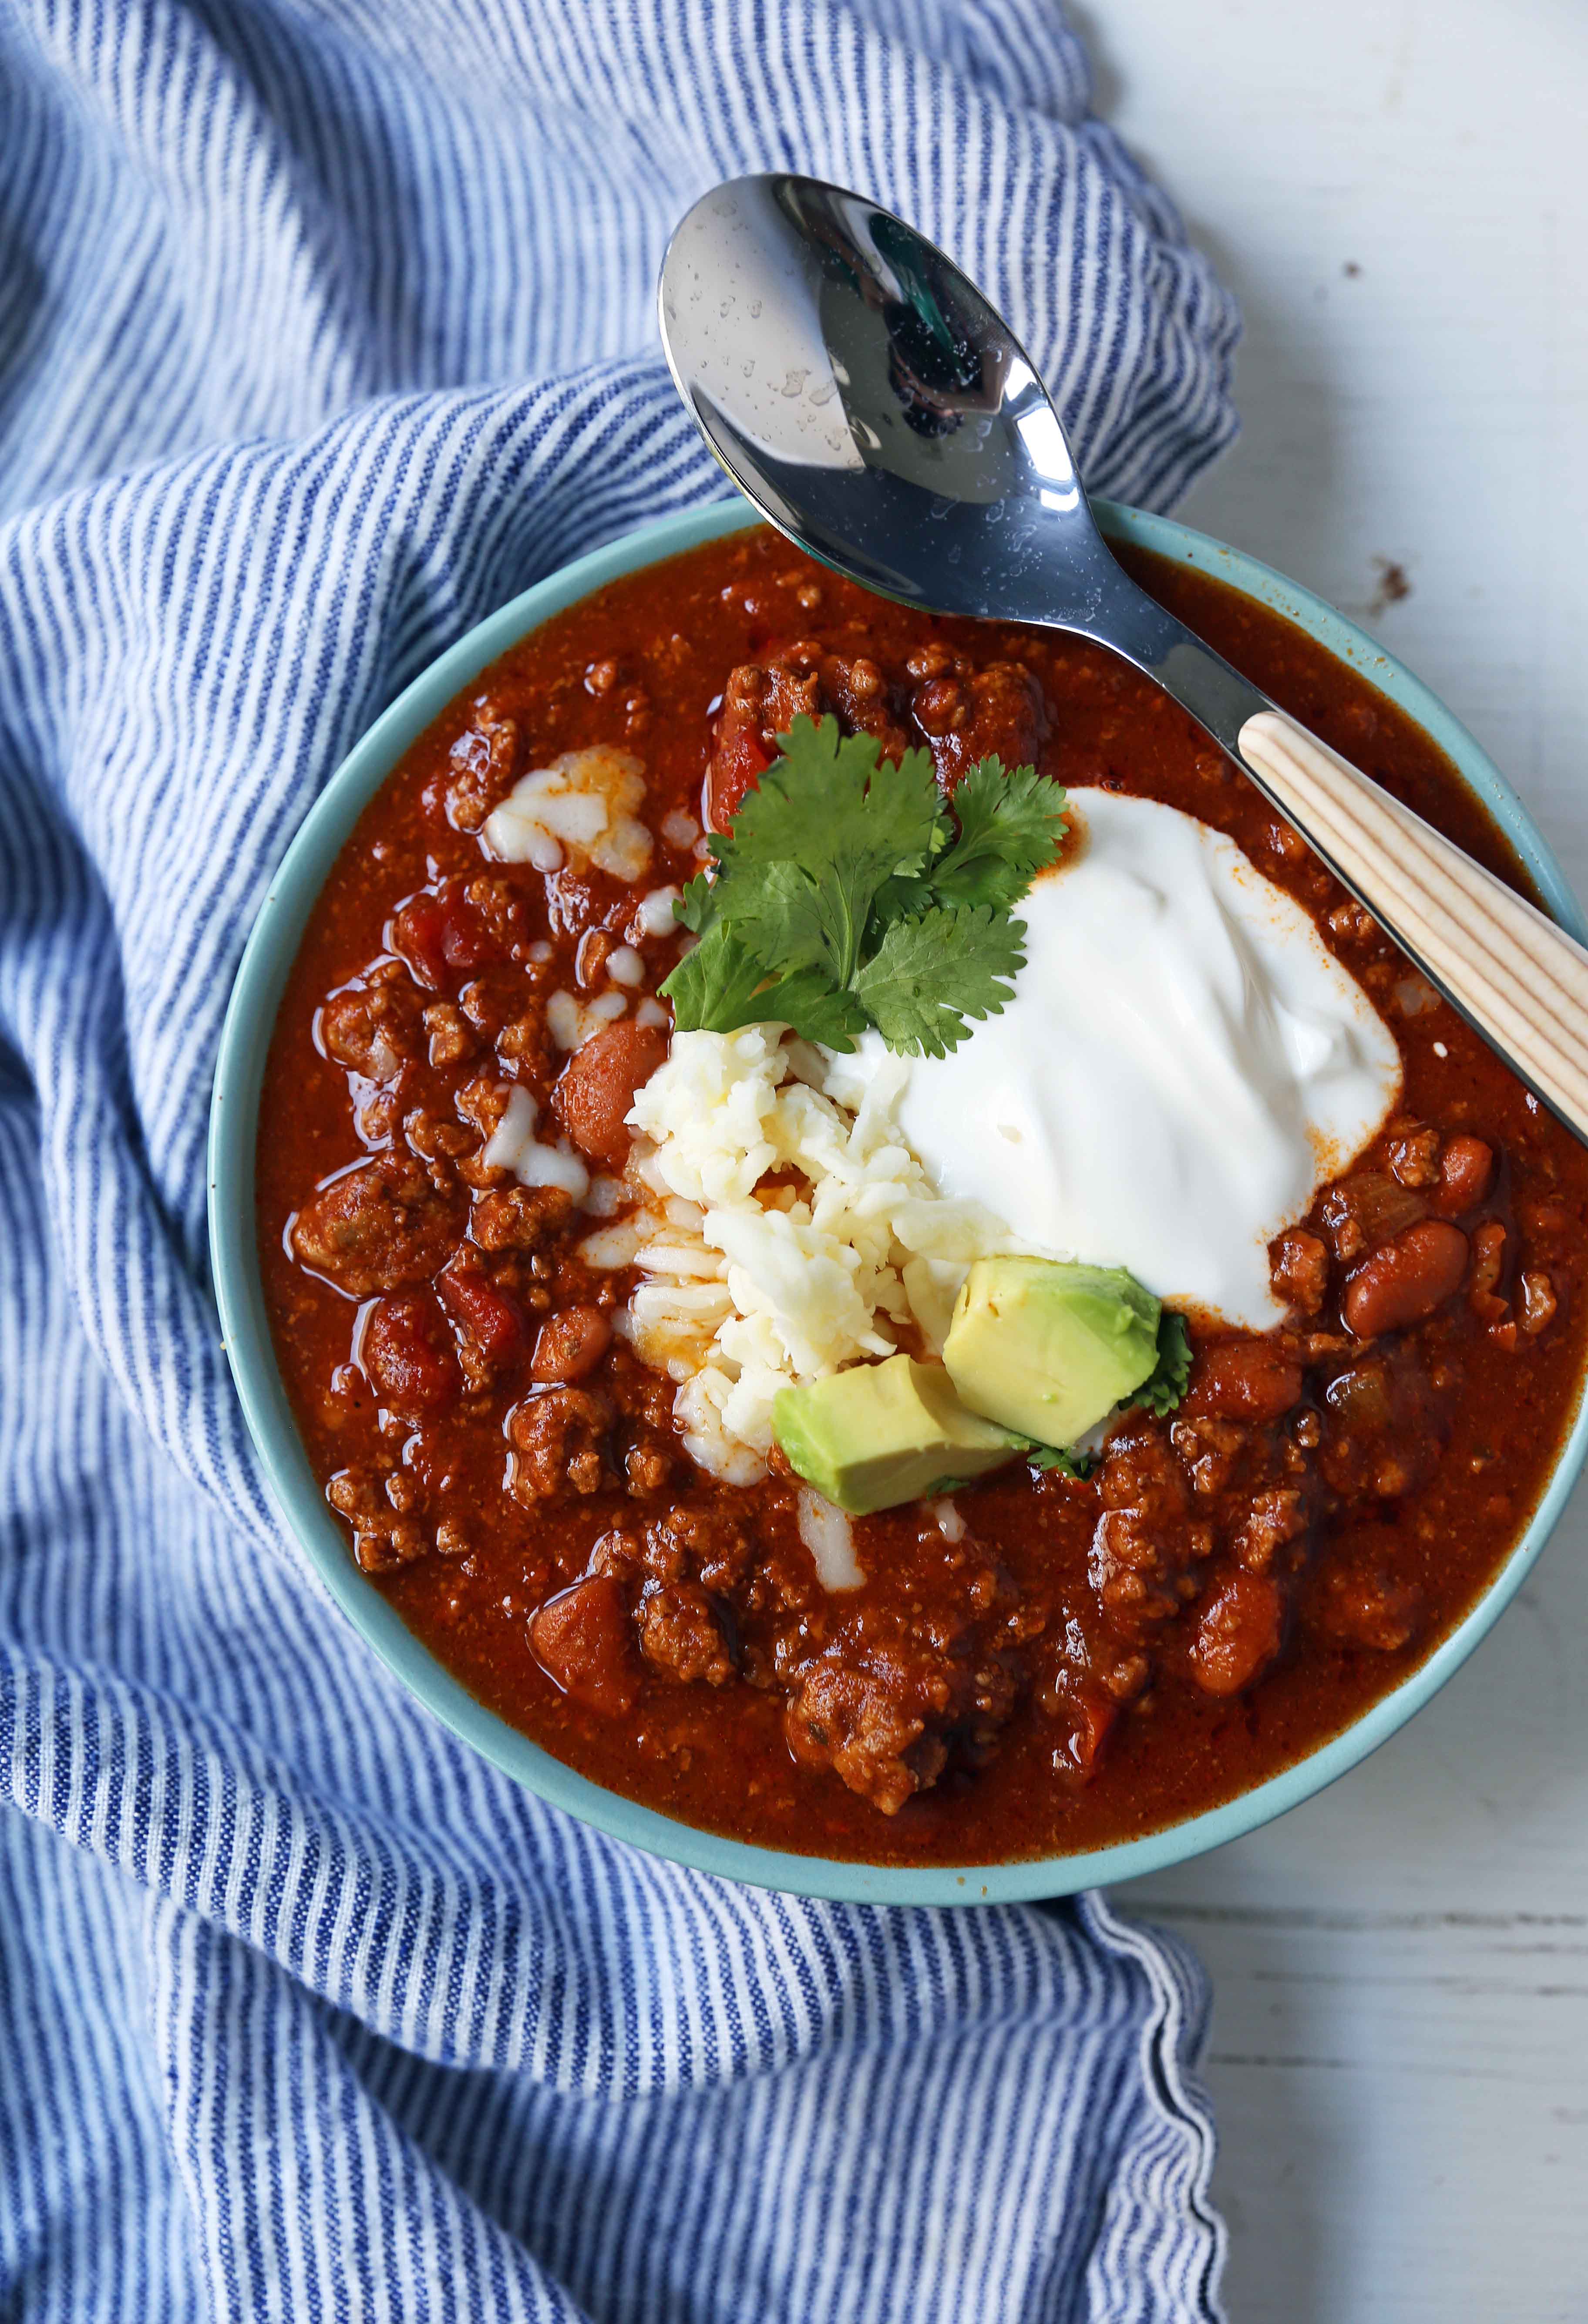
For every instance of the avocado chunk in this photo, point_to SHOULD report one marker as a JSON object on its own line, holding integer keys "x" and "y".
{"x": 881, "y": 1433}
{"x": 1049, "y": 1347}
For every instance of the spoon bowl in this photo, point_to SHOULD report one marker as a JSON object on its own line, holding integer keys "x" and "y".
{"x": 864, "y": 393}
{"x": 875, "y": 407}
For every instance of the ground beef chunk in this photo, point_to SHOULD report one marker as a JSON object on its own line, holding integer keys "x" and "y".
{"x": 682, "y": 1634}
{"x": 1147, "y": 1548}
{"x": 558, "y": 1438}
{"x": 1414, "y": 1154}
{"x": 760, "y": 702}
{"x": 583, "y": 1639}
{"x": 1354, "y": 1601}
{"x": 1239, "y": 1634}
{"x": 886, "y": 1710}
{"x": 1210, "y": 1448}
{"x": 519, "y": 1218}
{"x": 1298, "y": 1270}
{"x": 969, "y": 715}
{"x": 647, "y": 1465}
{"x": 449, "y": 1034}
{"x": 378, "y": 1227}
{"x": 369, "y": 1027}
{"x": 384, "y": 1536}
{"x": 1275, "y": 1518}
{"x": 708, "y": 1544}
{"x": 480, "y": 766}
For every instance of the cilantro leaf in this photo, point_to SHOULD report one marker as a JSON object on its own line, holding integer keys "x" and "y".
{"x": 714, "y": 987}
{"x": 846, "y": 822}
{"x": 784, "y": 916}
{"x": 695, "y": 909}
{"x": 1011, "y": 827}
{"x": 815, "y": 1008}
{"x": 929, "y": 973}
{"x": 721, "y": 985}
{"x": 846, "y": 894}
{"x": 1167, "y": 1384}
{"x": 1078, "y": 1465}
{"x": 898, "y": 898}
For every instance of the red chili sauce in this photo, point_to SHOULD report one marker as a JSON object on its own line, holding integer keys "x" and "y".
{"x": 1093, "y": 1659}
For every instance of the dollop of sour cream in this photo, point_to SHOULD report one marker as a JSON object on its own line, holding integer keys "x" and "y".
{"x": 1183, "y": 1062}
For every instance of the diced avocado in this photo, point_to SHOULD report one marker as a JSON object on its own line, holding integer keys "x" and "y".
{"x": 881, "y": 1433}
{"x": 1049, "y": 1347}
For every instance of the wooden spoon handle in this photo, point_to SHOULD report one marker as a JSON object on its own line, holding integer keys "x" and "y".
{"x": 1521, "y": 979}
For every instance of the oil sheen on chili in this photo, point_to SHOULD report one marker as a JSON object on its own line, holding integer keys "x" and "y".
{"x": 1058, "y": 1663}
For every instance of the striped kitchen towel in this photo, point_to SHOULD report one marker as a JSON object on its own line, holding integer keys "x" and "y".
{"x": 324, "y": 327}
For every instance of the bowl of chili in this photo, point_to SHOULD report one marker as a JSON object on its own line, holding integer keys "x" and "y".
{"x": 1430, "y": 1554}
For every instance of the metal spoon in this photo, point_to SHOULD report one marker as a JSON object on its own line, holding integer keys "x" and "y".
{"x": 863, "y": 392}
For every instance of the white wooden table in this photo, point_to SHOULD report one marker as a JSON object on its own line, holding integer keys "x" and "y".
{"x": 1399, "y": 191}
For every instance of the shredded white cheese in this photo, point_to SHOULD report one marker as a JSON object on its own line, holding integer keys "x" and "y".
{"x": 829, "y": 1535}
{"x": 750, "y": 1286}
{"x": 513, "y": 1145}
{"x": 653, "y": 915}
{"x": 581, "y": 809}
{"x": 571, "y": 1021}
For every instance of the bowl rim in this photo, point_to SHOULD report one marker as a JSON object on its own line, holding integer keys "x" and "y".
{"x": 300, "y": 1505}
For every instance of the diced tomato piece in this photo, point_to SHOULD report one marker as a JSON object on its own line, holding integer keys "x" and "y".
{"x": 1093, "y": 1716}
{"x": 737, "y": 766}
{"x": 582, "y": 1638}
{"x": 408, "y": 1355}
{"x": 442, "y": 937}
{"x": 490, "y": 1316}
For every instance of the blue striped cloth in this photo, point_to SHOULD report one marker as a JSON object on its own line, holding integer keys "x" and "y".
{"x": 326, "y": 326}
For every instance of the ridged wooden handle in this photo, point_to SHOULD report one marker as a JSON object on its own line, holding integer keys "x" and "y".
{"x": 1523, "y": 981}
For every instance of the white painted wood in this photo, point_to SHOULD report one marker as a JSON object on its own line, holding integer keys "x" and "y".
{"x": 1398, "y": 190}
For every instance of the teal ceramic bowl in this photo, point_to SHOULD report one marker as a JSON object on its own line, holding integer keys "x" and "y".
{"x": 244, "y": 1043}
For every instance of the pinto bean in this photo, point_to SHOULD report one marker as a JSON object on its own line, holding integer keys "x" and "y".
{"x": 1466, "y": 1171}
{"x": 570, "y": 1344}
{"x": 1250, "y": 1380}
{"x": 1406, "y": 1279}
{"x": 1239, "y": 1634}
{"x": 582, "y": 1639}
{"x": 378, "y": 1227}
{"x": 596, "y": 1088}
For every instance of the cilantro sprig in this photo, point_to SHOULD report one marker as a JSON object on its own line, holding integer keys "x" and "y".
{"x": 847, "y": 894}
{"x": 1166, "y": 1383}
